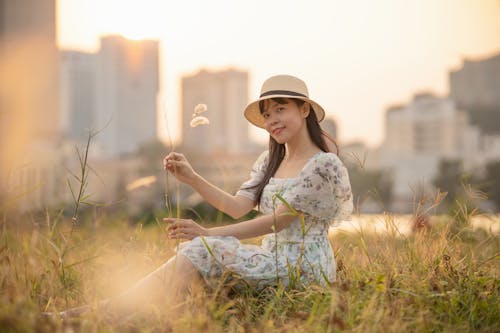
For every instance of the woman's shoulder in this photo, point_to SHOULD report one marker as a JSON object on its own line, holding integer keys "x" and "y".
{"x": 324, "y": 164}
{"x": 261, "y": 161}
{"x": 263, "y": 158}
{"x": 263, "y": 155}
{"x": 326, "y": 159}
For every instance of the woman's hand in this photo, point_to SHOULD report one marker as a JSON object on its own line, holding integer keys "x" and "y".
{"x": 185, "y": 229}
{"x": 179, "y": 166}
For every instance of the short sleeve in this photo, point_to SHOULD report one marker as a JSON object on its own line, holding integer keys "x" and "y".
{"x": 248, "y": 189}
{"x": 322, "y": 189}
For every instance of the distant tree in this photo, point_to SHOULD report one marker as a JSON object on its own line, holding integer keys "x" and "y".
{"x": 491, "y": 182}
{"x": 152, "y": 154}
{"x": 464, "y": 192}
{"x": 449, "y": 179}
{"x": 487, "y": 120}
{"x": 374, "y": 184}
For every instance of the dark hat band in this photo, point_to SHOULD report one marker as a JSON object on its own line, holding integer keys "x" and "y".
{"x": 282, "y": 92}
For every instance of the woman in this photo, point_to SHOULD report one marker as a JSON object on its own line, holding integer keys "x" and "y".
{"x": 300, "y": 188}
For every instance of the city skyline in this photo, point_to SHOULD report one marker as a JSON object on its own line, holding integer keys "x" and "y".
{"x": 359, "y": 59}
{"x": 121, "y": 79}
{"x": 113, "y": 91}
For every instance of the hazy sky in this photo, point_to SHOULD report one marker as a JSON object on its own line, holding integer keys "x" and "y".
{"x": 357, "y": 56}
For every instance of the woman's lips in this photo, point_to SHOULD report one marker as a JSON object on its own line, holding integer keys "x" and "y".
{"x": 277, "y": 131}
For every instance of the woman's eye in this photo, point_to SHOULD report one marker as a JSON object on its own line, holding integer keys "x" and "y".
{"x": 280, "y": 109}
{"x": 265, "y": 115}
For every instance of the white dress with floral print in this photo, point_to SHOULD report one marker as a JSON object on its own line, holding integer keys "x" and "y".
{"x": 301, "y": 251}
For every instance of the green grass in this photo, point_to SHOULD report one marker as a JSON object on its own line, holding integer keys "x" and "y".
{"x": 433, "y": 281}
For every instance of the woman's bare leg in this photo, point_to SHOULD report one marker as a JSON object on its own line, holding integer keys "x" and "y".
{"x": 171, "y": 280}
{"x": 168, "y": 283}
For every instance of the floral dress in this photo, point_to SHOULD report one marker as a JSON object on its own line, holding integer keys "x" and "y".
{"x": 301, "y": 252}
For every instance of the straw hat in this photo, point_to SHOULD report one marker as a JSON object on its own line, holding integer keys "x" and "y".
{"x": 285, "y": 86}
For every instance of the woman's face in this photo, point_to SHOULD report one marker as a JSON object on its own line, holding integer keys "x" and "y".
{"x": 284, "y": 121}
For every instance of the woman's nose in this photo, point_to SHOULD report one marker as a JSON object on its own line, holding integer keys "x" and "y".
{"x": 271, "y": 119}
{"x": 270, "y": 122}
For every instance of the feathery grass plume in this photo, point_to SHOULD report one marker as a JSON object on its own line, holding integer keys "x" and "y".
{"x": 199, "y": 109}
{"x": 198, "y": 121}
{"x": 464, "y": 208}
{"x": 168, "y": 205}
{"x": 423, "y": 205}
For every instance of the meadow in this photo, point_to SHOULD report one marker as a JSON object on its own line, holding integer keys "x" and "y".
{"x": 439, "y": 279}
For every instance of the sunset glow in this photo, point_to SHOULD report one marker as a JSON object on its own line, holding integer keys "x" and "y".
{"x": 343, "y": 50}
{"x": 132, "y": 19}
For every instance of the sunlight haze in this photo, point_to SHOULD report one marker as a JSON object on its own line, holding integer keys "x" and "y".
{"x": 357, "y": 57}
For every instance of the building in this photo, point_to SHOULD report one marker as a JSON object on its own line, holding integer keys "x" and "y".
{"x": 29, "y": 91}
{"x": 113, "y": 91}
{"x": 126, "y": 95}
{"x": 428, "y": 126}
{"x": 464, "y": 126}
{"x": 476, "y": 85}
{"x": 225, "y": 142}
{"x": 78, "y": 94}
{"x": 475, "y": 88}
{"x": 29, "y": 66}
{"x": 226, "y": 95}
{"x": 417, "y": 137}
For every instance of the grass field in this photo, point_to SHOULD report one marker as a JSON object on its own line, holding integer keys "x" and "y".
{"x": 438, "y": 280}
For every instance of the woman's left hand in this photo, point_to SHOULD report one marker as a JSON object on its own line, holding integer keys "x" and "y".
{"x": 184, "y": 229}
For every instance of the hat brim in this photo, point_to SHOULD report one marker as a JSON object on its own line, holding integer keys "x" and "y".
{"x": 253, "y": 115}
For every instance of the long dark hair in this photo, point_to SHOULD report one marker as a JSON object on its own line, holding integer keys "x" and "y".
{"x": 277, "y": 150}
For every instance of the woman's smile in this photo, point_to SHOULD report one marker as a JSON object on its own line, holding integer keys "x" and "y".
{"x": 277, "y": 131}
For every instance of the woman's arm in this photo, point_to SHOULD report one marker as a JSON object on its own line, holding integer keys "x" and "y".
{"x": 188, "y": 229}
{"x": 234, "y": 206}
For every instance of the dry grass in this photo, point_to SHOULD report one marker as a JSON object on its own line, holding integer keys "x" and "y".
{"x": 434, "y": 281}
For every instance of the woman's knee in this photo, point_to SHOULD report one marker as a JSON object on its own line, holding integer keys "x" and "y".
{"x": 185, "y": 274}
{"x": 184, "y": 265}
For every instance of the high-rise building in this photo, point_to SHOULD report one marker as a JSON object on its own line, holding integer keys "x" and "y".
{"x": 429, "y": 125}
{"x": 127, "y": 84}
{"x": 226, "y": 95}
{"x": 475, "y": 88}
{"x": 78, "y": 94}
{"x": 417, "y": 137}
{"x": 29, "y": 80}
{"x": 476, "y": 85}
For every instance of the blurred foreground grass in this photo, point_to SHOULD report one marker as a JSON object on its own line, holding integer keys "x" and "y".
{"x": 433, "y": 281}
